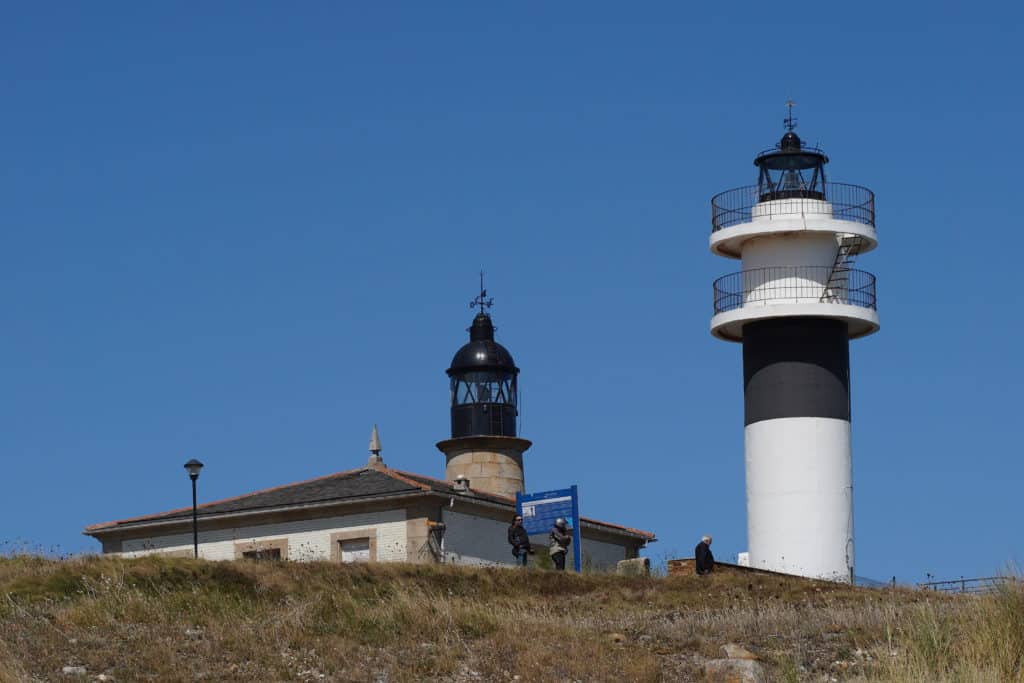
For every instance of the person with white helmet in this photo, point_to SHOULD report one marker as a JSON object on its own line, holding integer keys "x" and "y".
{"x": 561, "y": 537}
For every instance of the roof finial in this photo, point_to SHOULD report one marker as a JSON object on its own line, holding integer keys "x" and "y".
{"x": 481, "y": 300}
{"x": 375, "y": 459}
{"x": 789, "y": 121}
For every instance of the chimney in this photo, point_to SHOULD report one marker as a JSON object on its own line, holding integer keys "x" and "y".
{"x": 375, "y": 460}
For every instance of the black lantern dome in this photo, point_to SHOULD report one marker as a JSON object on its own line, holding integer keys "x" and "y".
{"x": 791, "y": 170}
{"x": 484, "y": 392}
{"x": 482, "y": 351}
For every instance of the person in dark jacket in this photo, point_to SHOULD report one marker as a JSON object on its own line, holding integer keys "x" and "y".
{"x": 705, "y": 560}
{"x": 519, "y": 540}
{"x": 560, "y": 537}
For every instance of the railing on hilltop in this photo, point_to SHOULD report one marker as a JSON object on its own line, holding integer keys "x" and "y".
{"x": 985, "y": 584}
{"x": 848, "y": 202}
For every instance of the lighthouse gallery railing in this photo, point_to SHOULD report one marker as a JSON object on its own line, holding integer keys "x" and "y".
{"x": 849, "y": 203}
{"x": 794, "y": 284}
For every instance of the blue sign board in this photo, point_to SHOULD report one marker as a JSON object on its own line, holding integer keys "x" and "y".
{"x": 540, "y": 510}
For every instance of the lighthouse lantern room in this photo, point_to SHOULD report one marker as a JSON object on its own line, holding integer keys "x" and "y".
{"x": 484, "y": 449}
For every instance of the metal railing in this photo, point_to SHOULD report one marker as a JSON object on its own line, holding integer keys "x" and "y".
{"x": 848, "y": 202}
{"x": 804, "y": 149}
{"x": 794, "y": 284}
{"x": 985, "y": 584}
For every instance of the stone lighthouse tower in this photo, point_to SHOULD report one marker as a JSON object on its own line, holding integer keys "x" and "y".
{"x": 794, "y": 307}
{"x": 484, "y": 447}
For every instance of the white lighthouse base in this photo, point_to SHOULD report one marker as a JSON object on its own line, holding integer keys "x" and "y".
{"x": 800, "y": 497}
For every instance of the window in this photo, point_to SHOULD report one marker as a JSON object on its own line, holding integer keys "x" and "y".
{"x": 355, "y": 550}
{"x": 269, "y": 549}
{"x": 480, "y": 387}
{"x": 263, "y": 554}
{"x": 355, "y": 545}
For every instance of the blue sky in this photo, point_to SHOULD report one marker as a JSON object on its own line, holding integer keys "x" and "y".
{"x": 246, "y": 232}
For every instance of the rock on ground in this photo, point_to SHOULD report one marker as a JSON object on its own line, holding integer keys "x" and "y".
{"x": 734, "y": 671}
{"x": 734, "y": 651}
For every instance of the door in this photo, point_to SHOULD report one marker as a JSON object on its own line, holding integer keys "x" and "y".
{"x": 355, "y": 550}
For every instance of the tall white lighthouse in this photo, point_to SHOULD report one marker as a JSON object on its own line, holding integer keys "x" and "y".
{"x": 794, "y": 306}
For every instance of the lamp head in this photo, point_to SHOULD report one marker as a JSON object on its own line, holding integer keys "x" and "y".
{"x": 193, "y": 466}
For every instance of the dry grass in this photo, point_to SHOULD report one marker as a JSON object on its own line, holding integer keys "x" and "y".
{"x": 181, "y": 620}
{"x": 979, "y": 639}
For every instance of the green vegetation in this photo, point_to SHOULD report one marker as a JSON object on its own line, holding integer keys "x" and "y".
{"x": 162, "y": 619}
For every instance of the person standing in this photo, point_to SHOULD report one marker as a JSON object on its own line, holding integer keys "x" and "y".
{"x": 519, "y": 540}
{"x": 705, "y": 561}
{"x": 560, "y": 537}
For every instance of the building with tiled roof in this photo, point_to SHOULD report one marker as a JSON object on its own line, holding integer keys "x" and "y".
{"x": 376, "y": 513}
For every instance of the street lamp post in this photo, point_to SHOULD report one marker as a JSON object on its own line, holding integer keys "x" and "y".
{"x": 193, "y": 466}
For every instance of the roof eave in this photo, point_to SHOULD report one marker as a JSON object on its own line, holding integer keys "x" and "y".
{"x": 106, "y": 530}
{"x": 647, "y": 537}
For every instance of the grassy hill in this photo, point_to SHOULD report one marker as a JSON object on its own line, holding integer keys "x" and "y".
{"x": 182, "y": 620}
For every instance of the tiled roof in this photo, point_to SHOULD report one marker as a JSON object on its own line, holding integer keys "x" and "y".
{"x": 341, "y": 486}
{"x": 361, "y": 483}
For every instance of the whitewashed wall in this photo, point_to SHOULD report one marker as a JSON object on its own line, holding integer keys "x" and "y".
{"x": 308, "y": 539}
{"x": 469, "y": 539}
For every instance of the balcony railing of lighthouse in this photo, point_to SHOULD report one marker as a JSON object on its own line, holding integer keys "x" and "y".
{"x": 794, "y": 285}
{"x": 847, "y": 202}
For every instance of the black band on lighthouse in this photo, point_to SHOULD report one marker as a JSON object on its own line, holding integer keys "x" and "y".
{"x": 796, "y": 367}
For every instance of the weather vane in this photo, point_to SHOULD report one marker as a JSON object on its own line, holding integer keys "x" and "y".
{"x": 481, "y": 300}
{"x": 789, "y": 121}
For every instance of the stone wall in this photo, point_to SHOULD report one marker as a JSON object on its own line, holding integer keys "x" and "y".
{"x": 491, "y": 463}
{"x": 687, "y": 565}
